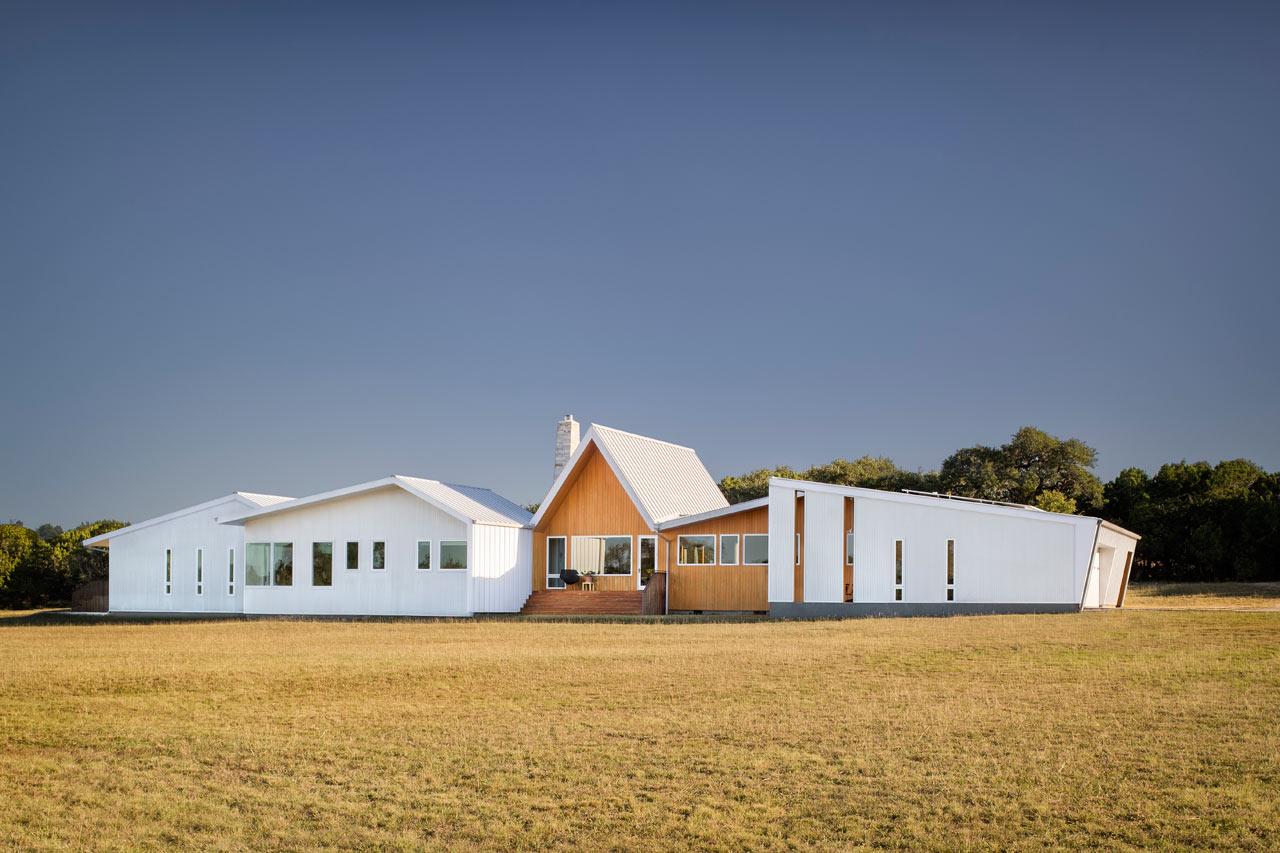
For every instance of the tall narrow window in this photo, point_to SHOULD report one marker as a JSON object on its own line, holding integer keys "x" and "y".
{"x": 231, "y": 571}
{"x": 848, "y": 548}
{"x": 555, "y": 561}
{"x": 729, "y": 550}
{"x": 199, "y": 571}
{"x": 897, "y": 569}
{"x": 168, "y": 571}
{"x": 322, "y": 564}
{"x": 648, "y": 558}
{"x": 797, "y": 549}
{"x": 424, "y": 554}
{"x": 951, "y": 570}
{"x": 353, "y": 556}
{"x": 379, "y": 555}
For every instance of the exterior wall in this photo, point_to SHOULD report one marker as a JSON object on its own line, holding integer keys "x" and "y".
{"x": 1115, "y": 556}
{"x": 388, "y": 515}
{"x": 998, "y": 558}
{"x": 782, "y": 531}
{"x": 500, "y": 570}
{"x": 593, "y": 503}
{"x": 136, "y": 581}
{"x": 718, "y": 587}
{"x": 1001, "y": 556}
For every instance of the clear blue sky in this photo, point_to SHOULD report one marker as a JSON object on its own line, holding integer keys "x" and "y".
{"x": 285, "y": 248}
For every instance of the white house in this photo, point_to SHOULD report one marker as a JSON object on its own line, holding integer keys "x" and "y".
{"x": 642, "y": 522}
{"x": 399, "y": 545}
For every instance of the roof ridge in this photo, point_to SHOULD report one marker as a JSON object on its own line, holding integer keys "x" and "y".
{"x": 645, "y": 437}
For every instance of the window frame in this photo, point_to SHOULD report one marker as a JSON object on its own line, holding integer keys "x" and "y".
{"x": 737, "y": 553}
{"x": 315, "y": 585}
{"x": 356, "y": 567}
{"x": 231, "y": 571}
{"x": 744, "y": 549}
{"x": 168, "y": 571}
{"x": 639, "y": 557}
{"x": 466, "y": 545}
{"x": 546, "y": 562}
{"x": 420, "y": 567}
{"x": 373, "y": 555}
{"x": 271, "y": 565}
{"x": 715, "y": 547}
{"x": 899, "y": 561}
{"x": 848, "y": 547}
{"x": 199, "y": 571}
{"x": 631, "y": 553}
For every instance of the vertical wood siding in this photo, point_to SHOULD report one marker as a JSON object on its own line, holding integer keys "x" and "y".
{"x": 719, "y": 587}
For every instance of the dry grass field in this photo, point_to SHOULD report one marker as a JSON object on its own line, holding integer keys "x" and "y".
{"x": 1109, "y": 730}
{"x": 1204, "y": 596}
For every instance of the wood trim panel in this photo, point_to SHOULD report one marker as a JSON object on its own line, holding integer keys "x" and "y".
{"x": 799, "y": 576}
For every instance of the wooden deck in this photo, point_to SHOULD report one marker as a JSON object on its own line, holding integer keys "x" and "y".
{"x": 565, "y": 602}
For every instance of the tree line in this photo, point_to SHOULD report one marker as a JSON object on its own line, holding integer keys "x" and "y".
{"x": 41, "y": 567}
{"x": 1198, "y": 522}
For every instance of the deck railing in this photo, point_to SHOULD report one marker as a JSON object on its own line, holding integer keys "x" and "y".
{"x": 654, "y": 602}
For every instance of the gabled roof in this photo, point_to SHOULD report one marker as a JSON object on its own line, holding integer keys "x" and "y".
{"x": 665, "y": 481}
{"x": 250, "y": 500}
{"x": 465, "y": 503}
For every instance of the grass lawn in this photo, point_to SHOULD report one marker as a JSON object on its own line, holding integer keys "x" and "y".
{"x": 1111, "y": 730}
{"x": 1253, "y": 596}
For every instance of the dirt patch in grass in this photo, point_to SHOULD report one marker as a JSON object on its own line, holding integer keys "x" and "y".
{"x": 1112, "y": 730}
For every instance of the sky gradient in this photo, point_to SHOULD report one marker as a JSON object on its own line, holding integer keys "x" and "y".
{"x": 289, "y": 248}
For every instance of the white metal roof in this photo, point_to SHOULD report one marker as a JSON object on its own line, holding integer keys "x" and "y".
{"x": 466, "y": 503}
{"x": 250, "y": 500}
{"x": 665, "y": 481}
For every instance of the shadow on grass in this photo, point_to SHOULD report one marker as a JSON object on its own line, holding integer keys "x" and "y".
{"x": 1157, "y": 589}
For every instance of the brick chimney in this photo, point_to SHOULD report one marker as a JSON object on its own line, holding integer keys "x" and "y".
{"x": 566, "y": 442}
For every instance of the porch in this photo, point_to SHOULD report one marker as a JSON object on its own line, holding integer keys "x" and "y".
{"x": 575, "y": 601}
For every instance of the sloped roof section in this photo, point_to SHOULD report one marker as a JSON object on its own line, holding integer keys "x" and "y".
{"x": 480, "y": 505}
{"x": 248, "y": 499}
{"x": 667, "y": 481}
{"x": 263, "y": 500}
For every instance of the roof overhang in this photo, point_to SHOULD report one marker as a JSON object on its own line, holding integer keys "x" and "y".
{"x": 731, "y": 509}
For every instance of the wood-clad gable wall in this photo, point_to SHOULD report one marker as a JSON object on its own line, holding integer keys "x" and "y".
{"x": 592, "y": 503}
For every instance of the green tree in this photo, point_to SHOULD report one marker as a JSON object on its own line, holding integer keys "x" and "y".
{"x": 1032, "y": 463}
{"x": 1055, "y": 501}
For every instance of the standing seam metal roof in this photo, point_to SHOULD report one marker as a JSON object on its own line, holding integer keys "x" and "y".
{"x": 669, "y": 481}
{"x": 480, "y": 505}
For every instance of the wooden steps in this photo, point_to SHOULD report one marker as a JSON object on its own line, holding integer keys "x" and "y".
{"x": 564, "y": 602}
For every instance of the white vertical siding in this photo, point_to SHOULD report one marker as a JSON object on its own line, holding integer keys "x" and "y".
{"x": 388, "y": 515}
{"x": 136, "y": 559}
{"x": 503, "y": 575}
{"x": 823, "y": 547}
{"x": 998, "y": 558}
{"x": 782, "y": 532}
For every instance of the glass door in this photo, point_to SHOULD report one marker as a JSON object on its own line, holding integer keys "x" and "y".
{"x": 555, "y": 561}
{"x": 648, "y": 558}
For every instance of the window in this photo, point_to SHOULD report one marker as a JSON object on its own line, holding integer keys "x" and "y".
{"x": 755, "y": 549}
{"x": 555, "y": 561}
{"x": 424, "y": 554}
{"x": 729, "y": 550}
{"x": 453, "y": 553}
{"x": 602, "y": 555}
{"x": 897, "y": 569}
{"x": 199, "y": 571}
{"x": 848, "y": 548}
{"x": 951, "y": 569}
{"x": 231, "y": 571}
{"x": 648, "y": 558}
{"x": 268, "y": 564}
{"x": 353, "y": 556}
{"x": 168, "y": 571}
{"x": 797, "y": 549}
{"x": 696, "y": 550}
{"x": 379, "y": 556}
{"x": 322, "y": 564}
